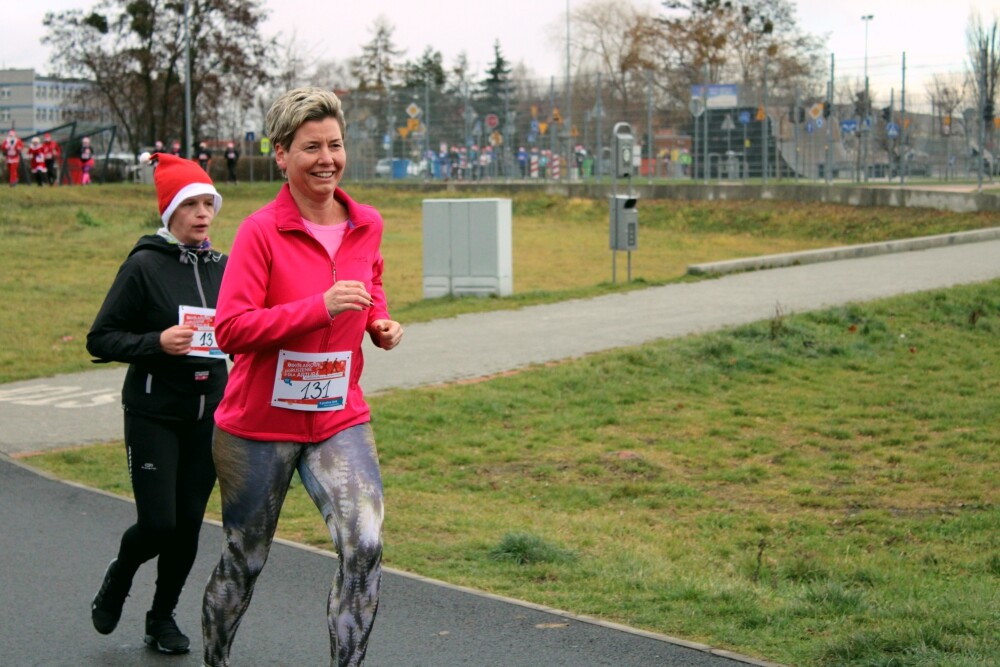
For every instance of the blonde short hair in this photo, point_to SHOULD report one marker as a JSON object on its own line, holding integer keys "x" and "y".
{"x": 298, "y": 106}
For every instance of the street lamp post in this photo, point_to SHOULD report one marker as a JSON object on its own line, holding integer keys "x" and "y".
{"x": 188, "y": 140}
{"x": 866, "y": 127}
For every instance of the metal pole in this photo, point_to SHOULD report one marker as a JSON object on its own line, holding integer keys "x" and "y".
{"x": 982, "y": 114}
{"x": 568, "y": 117}
{"x": 829, "y": 127}
{"x": 187, "y": 84}
{"x": 599, "y": 172}
{"x": 795, "y": 131}
{"x": 763, "y": 125}
{"x": 427, "y": 123}
{"x": 704, "y": 105}
{"x": 868, "y": 107}
{"x": 552, "y": 131}
{"x": 653, "y": 162}
{"x": 902, "y": 121}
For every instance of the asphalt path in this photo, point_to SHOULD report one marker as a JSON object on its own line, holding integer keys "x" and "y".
{"x": 56, "y": 538}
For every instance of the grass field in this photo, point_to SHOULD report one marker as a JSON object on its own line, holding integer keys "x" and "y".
{"x": 65, "y": 245}
{"x": 816, "y": 489}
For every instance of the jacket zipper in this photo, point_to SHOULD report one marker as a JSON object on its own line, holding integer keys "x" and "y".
{"x": 197, "y": 281}
{"x": 204, "y": 304}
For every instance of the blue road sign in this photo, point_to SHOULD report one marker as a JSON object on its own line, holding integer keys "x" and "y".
{"x": 809, "y": 127}
{"x": 745, "y": 117}
{"x": 892, "y": 130}
{"x": 848, "y": 125}
{"x": 249, "y": 136}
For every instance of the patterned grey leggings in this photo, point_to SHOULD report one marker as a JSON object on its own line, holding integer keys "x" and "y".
{"x": 341, "y": 475}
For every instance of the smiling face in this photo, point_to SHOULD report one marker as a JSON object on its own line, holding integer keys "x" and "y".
{"x": 190, "y": 222}
{"x": 314, "y": 160}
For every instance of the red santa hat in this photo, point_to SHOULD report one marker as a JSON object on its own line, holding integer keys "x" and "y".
{"x": 178, "y": 179}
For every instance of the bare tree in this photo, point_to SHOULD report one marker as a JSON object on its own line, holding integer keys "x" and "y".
{"x": 983, "y": 43}
{"x": 732, "y": 40}
{"x": 133, "y": 52}
{"x": 618, "y": 40}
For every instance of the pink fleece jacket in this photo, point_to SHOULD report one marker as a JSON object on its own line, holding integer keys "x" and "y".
{"x": 271, "y": 299}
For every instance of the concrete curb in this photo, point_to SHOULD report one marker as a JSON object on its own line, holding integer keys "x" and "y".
{"x": 842, "y": 252}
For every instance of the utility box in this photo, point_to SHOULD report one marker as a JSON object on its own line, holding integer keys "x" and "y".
{"x": 624, "y": 223}
{"x": 623, "y": 146}
{"x": 467, "y": 247}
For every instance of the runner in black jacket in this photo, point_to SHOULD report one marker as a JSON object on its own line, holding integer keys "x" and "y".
{"x": 175, "y": 380}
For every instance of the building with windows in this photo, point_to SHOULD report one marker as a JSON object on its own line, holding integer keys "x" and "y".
{"x": 32, "y": 104}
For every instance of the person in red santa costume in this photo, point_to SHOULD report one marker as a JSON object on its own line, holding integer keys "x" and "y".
{"x": 36, "y": 161}
{"x": 52, "y": 154}
{"x": 86, "y": 155}
{"x": 12, "y": 147}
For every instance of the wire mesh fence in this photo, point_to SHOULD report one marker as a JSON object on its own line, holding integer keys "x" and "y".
{"x": 561, "y": 129}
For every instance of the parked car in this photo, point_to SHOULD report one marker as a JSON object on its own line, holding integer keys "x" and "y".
{"x": 383, "y": 168}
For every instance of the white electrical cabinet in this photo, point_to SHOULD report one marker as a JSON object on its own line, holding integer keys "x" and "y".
{"x": 467, "y": 247}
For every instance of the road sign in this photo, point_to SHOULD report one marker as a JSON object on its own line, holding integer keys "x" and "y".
{"x": 892, "y": 130}
{"x": 265, "y": 146}
{"x": 809, "y": 126}
{"x": 819, "y": 122}
{"x": 249, "y": 136}
{"x": 696, "y": 106}
{"x": 848, "y": 125}
{"x": 412, "y": 110}
{"x": 717, "y": 96}
{"x": 727, "y": 123}
{"x": 492, "y": 121}
{"x": 745, "y": 117}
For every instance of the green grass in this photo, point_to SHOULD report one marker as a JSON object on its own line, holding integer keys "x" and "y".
{"x": 65, "y": 245}
{"x": 817, "y": 490}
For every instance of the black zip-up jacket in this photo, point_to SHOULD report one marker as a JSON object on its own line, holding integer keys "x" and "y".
{"x": 142, "y": 302}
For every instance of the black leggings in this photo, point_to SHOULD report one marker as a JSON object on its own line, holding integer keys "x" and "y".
{"x": 170, "y": 465}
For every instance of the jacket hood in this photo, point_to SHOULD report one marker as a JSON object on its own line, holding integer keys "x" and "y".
{"x": 183, "y": 255}
{"x": 154, "y": 242}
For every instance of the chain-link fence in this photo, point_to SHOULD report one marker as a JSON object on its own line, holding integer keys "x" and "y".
{"x": 561, "y": 130}
{"x": 548, "y": 130}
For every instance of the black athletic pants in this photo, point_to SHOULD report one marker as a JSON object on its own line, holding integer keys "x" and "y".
{"x": 170, "y": 465}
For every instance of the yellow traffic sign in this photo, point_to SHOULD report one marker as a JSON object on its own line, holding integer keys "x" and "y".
{"x": 403, "y": 131}
{"x": 413, "y": 124}
{"x": 542, "y": 127}
{"x": 761, "y": 115}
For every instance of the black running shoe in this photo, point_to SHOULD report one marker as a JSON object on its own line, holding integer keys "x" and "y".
{"x": 163, "y": 634}
{"x": 106, "y": 608}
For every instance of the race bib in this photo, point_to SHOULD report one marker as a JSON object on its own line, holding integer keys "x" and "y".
{"x": 203, "y": 320}
{"x": 316, "y": 382}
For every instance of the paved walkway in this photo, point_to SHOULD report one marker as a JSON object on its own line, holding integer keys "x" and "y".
{"x": 55, "y": 538}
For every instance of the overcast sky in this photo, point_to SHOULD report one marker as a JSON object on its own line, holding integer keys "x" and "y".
{"x": 931, "y": 32}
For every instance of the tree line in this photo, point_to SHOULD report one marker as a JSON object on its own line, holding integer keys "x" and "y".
{"x": 133, "y": 51}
